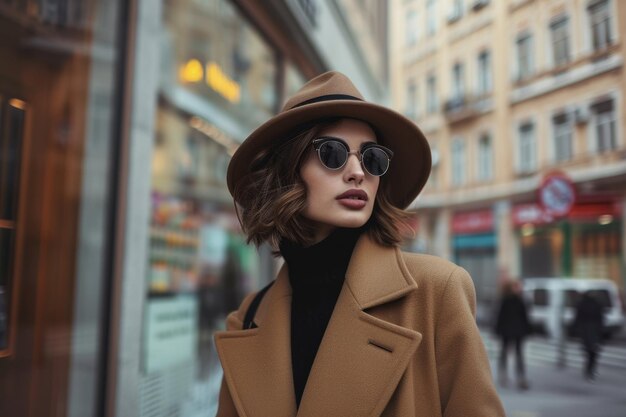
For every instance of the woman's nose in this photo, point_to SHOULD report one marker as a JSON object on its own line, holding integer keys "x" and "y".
{"x": 353, "y": 171}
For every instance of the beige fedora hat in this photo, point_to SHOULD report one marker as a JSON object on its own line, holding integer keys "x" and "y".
{"x": 331, "y": 95}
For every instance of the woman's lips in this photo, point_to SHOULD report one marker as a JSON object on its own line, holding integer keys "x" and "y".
{"x": 352, "y": 203}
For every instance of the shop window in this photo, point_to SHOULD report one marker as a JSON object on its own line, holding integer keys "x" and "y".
{"x": 12, "y": 115}
{"x": 199, "y": 265}
{"x": 597, "y": 248}
{"x": 221, "y": 58}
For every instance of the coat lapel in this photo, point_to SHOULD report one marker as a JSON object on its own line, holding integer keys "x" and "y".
{"x": 359, "y": 362}
{"x": 362, "y": 358}
{"x": 257, "y": 362}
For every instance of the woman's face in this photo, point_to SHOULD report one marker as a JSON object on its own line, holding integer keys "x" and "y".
{"x": 327, "y": 204}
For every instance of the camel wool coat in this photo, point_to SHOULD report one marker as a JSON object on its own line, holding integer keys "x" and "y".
{"x": 402, "y": 341}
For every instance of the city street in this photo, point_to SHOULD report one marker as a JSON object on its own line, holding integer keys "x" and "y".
{"x": 563, "y": 392}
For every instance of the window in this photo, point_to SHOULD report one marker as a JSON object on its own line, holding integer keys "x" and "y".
{"x": 600, "y": 20}
{"x": 541, "y": 298}
{"x": 411, "y": 99}
{"x": 458, "y": 161}
{"x": 604, "y": 125}
{"x": 560, "y": 41}
{"x": 458, "y": 87}
{"x": 526, "y": 152}
{"x": 431, "y": 104}
{"x": 484, "y": 72}
{"x": 562, "y": 128}
{"x": 485, "y": 158}
{"x": 457, "y": 10}
{"x": 411, "y": 27}
{"x": 431, "y": 17}
{"x": 433, "y": 180}
{"x": 524, "y": 56}
{"x": 12, "y": 120}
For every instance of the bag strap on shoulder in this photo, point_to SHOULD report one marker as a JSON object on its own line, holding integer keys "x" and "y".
{"x": 248, "y": 321}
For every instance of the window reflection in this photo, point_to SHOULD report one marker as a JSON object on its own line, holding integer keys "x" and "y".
{"x": 217, "y": 55}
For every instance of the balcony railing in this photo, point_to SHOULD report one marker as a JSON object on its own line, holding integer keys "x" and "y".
{"x": 465, "y": 107}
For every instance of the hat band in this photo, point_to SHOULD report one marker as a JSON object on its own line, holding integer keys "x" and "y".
{"x": 328, "y": 97}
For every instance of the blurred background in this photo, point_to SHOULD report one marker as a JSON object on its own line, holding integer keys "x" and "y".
{"x": 121, "y": 252}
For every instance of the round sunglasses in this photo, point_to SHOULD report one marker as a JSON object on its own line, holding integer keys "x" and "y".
{"x": 334, "y": 152}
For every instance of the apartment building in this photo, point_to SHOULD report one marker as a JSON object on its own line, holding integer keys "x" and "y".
{"x": 511, "y": 94}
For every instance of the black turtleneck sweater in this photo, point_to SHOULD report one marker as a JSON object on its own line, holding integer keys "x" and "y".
{"x": 316, "y": 274}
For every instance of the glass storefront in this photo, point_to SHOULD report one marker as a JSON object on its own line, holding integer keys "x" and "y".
{"x": 211, "y": 52}
{"x": 217, "y": 82}
{"x": 585, "y": 244}
{"x": 597, "y": 250}
{"x": 59, "y": 103}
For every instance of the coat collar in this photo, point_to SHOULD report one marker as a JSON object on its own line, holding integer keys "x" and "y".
{"x": 361, "y": 357}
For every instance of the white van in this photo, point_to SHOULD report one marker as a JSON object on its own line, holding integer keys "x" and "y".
{"x": 545, "y": 297}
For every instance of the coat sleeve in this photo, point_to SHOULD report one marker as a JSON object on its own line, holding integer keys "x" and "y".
{"x": 234, "y": 321}
{"x": 465, "y": 383}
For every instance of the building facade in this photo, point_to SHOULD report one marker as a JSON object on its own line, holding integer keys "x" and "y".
{"x": 512, "y": 94}
{"x": 120, "y": 248}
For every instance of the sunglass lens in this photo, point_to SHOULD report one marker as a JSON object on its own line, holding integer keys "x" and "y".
{"x": 375, "y": 161}
{"x": 333, "y": 154}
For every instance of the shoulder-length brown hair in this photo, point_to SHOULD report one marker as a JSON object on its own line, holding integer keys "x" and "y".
{"x": 272, "y": 198}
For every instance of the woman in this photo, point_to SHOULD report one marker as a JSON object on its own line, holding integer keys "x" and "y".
{"x": 351, "y": 326}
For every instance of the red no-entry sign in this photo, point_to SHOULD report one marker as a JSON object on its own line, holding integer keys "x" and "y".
{"x": 557, "y": 194}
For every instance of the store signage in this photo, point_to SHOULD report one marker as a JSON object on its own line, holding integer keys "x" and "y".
{"x": 473, "y": 222}
{"x": 217, "y": 80}
{"x": 171, "y": 332}
{"x": 194, "y": 72}
{"x": 557, "y": 194}
{"x": 530, "y": 214}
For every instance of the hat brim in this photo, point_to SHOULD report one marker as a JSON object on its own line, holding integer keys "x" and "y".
{"x": 409, "y": 168}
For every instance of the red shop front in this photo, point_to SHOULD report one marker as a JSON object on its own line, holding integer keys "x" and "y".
{"x": 585, "y": 243}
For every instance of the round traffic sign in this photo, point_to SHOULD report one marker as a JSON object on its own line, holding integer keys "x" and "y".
{"x": 557, "y": 194}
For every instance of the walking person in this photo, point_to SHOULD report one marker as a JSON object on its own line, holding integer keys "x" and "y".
{"x": 589, "y": 325}
{"x": 352, "y": 326}
{"x": 512, "y": 326}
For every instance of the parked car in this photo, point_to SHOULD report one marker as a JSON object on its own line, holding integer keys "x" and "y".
{"x": 547, "y": 296}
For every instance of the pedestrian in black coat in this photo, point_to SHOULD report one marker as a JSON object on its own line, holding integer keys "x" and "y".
{"x": 588, "y": 325}
{"x": 512, "y": 326}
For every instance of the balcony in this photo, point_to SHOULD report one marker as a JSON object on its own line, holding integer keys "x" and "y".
{"x": 467, "y": 107}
